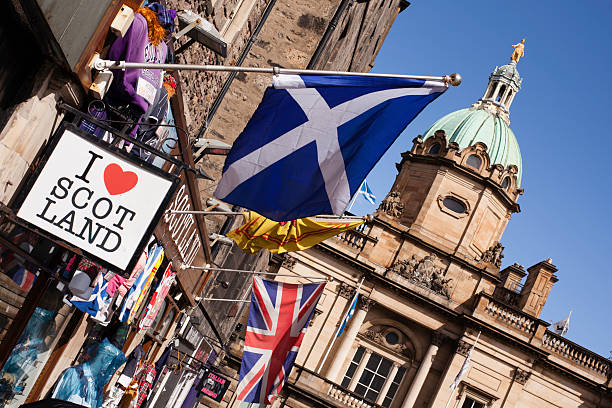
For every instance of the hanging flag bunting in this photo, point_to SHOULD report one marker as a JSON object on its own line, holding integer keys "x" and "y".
{"x": 259, "y": 232}
{"x": 314, "y": 138}
{"x": 278, "y": 318}
{"x": 140, "y": 286}
{"x": 158, "y": 298}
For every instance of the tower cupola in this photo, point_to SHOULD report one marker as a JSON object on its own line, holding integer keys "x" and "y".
{"x": 504, "y": 83}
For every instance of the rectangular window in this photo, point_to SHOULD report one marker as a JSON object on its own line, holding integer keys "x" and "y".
{"x": 374, "y": 376}
{"x": 470, "y": 403}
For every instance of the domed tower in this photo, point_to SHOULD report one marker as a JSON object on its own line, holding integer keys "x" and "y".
{"x": 459, "y": 184}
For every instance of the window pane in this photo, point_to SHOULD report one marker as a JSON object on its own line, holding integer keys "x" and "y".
{"x": 385, "y": 367}
{"x": 474, "y": 161}
{"x": 360, "y": 390}
{"x": 373, "y": 361}
{"x": 377, "y": 382}
{"x": 400, "y": 374}
{"x": 358, "y": 354}
{"x": 392, "y": 390}
{"x": 345, "y": 382}
{"x": 434, "y": 149}
{"x": 351, "y": 370}
{"x": 454, "y": 205}
{"x": 387, "y": 402}
{"x": 366, "y": 377}
{"x": 392, "y": 338}
{"x": 372, "y": 395}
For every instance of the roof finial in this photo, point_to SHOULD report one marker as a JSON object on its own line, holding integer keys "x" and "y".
{"x": 519, "y": 51}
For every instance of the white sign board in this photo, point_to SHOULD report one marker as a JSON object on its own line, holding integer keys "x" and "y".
{"x": 95, "y": 199}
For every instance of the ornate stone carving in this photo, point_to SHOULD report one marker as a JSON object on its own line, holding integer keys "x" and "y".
{"x": 365, "y": 303}
{"x": 494, "y": 255}
{"x": 423, "y": 273}
{"x": 392, "y": 205}
{"x": 521, "y": 376}
{"x": 346, "y": 291}
{"x": 374, "y": 335}
{"x": 288, "y": 262}
{"x": 437, "y": 338}
{"x": 463, "y": 348}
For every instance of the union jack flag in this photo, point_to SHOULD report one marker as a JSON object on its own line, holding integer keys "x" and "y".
{"x": 278, "y": 318}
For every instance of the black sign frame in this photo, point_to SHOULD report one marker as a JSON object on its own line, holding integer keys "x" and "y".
{"x": 213, "y": 376}
{"x": 173, "y": 177}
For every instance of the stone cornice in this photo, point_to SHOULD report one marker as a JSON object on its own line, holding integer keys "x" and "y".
{"x": 514, "y": 207}
{"x": 441, "y": 253}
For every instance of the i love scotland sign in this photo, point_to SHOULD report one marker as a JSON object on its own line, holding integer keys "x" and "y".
{"x": 97, "y": 199}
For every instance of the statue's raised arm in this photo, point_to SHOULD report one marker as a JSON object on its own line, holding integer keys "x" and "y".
{"x": 519, "y": 51}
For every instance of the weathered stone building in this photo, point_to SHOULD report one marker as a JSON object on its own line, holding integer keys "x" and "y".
{"x": 432, "y": 288}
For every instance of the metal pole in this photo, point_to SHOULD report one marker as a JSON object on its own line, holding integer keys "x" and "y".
{"x": 340, "y": 325}
{"x": 329, "y": 278}
{"x": 226, "y": 300}
{"x": 101, "y": 65}
{"x": 232, "y": 213}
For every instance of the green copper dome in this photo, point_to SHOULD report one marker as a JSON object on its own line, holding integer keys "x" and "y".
{"x": 468, "y": 126}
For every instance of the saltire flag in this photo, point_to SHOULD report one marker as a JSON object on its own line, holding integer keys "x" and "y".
{"x": 278, "y": 318}
{"x": 138, "y": 290}
{"x": 350, "y": 314}
{"x": 465, "y": 366}
{"x": 561, "y": 327}
{"x": 366, "y": 192}
{"x": 314, "y": 138}
{"x": 259, "y": 232}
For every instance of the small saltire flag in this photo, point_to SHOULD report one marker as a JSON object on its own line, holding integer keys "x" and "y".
{"x": 366, "y": 192}
{"x": 562, "y": 326}
{"x": 278, "y": 318}
{"x": 465, "y": 366}
{"x": 314, "y": 138}
{"x": 350, "y": 314}
{"x": 259, "y": 232}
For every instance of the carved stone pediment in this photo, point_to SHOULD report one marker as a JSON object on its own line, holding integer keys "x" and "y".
{"x": 424, "y": 273}
{"x": 378, "y": 335}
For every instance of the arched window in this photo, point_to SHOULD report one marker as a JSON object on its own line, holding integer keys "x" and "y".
{"x": 474, "y": 161}
{"x": 505, "y": 183}
{"x": 434, "y": 149}
{"x": 502, "y": 89}
{"x": 454, "y": 205}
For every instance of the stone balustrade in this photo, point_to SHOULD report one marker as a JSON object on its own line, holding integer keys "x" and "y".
{"x": 347, "y": 398}
{"x": 561, "y": 346}
{"x": 355, "y": 238}
{"x": 510, "y": 317}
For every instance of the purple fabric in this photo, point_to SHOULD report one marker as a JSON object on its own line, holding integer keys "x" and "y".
{"x": 135, "y": 47}
{"x": 165, "y": 16}
{"x": 191, "y": 397}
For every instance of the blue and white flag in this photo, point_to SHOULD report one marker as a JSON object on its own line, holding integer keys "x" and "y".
{"x": 367, "y": 193}
{"x": 313, "y": 139}
{"x": 350, "y": 314}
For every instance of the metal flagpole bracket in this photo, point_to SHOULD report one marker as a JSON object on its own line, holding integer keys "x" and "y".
{"x": 100, "y": 64}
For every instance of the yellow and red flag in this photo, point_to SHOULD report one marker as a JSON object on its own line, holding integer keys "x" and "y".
{"x": 259, "y": 232}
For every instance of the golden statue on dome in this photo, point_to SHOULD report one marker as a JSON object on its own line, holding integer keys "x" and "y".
{"x": 519, "y": 51}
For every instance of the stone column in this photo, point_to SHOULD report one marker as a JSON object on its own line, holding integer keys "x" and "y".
{"x": 419, "y": 378}
{"x": 454, "y": 366}
{"x": 497, "y": 89}
{"x": 362, "y": 364}
{"x": 348, "y": 338}
{"x": 387, "y": 384}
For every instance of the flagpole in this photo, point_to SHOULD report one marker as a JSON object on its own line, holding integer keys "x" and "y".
{"x": 208, "y": 268}
{"x": 101, "y": 65}
{"x": 340, "y": 325}
{"x": 355, "y": 197}
{"x": 450, "y": 397}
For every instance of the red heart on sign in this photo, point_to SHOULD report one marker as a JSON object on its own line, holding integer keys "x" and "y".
{"x": 118, "y": 181}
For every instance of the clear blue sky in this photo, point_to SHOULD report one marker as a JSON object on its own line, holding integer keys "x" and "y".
{"x": 561, "y": 118}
